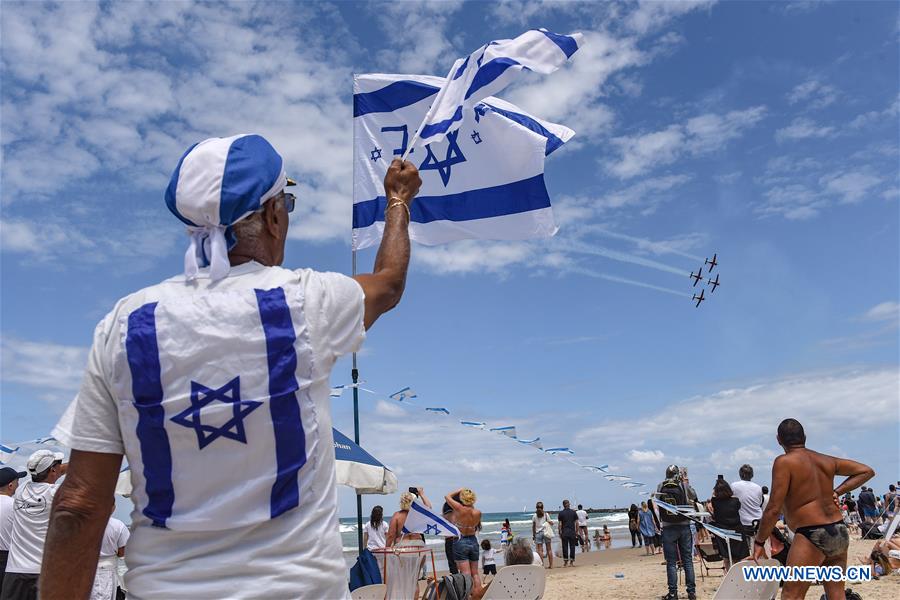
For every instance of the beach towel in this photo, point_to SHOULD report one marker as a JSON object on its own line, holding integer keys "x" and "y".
{"x": 365, "y": 571}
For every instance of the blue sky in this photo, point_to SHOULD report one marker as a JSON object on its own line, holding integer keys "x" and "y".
{"x": 764, "y": 132}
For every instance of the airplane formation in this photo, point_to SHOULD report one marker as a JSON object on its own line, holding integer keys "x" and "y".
{"x": 698, "y": 277}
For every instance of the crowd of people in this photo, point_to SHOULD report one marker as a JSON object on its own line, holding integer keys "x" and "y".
{"x": 26, "y": 502}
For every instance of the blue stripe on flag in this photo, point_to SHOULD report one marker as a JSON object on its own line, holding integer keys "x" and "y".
{"x": 566, "y": 43}
{"x": 508, "y": 199}
{"x": 290, "y": 441}
{"x": 442, "y": 126}
{"x": 462, "y": 68}
{"x": 142, "y": 350}
{"x": 432, "y": 516}
{"x": 490, "y": 71}
{"x": 391, "y": 97}
{"x": 553, "y": 142}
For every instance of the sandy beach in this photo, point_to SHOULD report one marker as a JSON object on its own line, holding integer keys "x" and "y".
{"x": 594, "y": 576}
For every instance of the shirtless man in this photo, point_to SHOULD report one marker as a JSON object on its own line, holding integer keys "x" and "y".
{"x": 467, "y": 519}
{"x": 802, "y": 483}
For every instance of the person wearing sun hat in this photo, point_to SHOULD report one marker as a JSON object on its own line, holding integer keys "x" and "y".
{"x": 9, "y": 481}
{"x": 32, "y": 503}
{"x": 215, "y": 385}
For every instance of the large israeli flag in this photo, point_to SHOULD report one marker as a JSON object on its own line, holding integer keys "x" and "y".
{"x": 484, "y": 181}
{"x": 490, "y": 69}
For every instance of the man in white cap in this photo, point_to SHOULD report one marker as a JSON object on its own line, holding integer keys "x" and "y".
{"x": 31, "y": 515}
{"x": 215, "y": 385}
{"x": 9, "y": 482}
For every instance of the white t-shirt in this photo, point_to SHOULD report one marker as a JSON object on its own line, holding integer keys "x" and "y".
{"x": 751, "y": 497}
{"x": 582, "y": 517}
{"x": 539, "y": 521}
{"x": 31, "y": 516}
{"x": 178, "y": 374}
{"x": 6, "y": 520}
{"x": 487, "y": 556}
{"x": 377, "y": 535}
{"x": 115, "y": 537}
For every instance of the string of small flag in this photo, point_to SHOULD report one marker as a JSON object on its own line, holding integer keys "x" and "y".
{"x": 408, "y": 397}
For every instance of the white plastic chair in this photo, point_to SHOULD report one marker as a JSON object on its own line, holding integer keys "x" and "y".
{"x": 735, "y": 588}
{"x": 369, "y": 592}
{"x": 517, "y": 582}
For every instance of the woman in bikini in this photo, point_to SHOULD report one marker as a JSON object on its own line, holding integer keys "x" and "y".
{"x": 468, "y": 519}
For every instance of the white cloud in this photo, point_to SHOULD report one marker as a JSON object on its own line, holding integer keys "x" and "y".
{"x": 646, "y": 456}
{"x": 886, "y": 311}
{"x": 54, "y": 370}
{"x": 803, "y": 128}
{"x": 877, "y": 117}
{"x": 109, "y": 94}
{"x": 472, "y": 256}
{"x": 699, "y": 135}
{"x": 417, "y": 31}
{"x": 813, "y": 93}
{"x": 851, "y": 186}
{"x": 752, "y": 454}
{"x": 651, "y": 15}
{"x": 751, "y": 414}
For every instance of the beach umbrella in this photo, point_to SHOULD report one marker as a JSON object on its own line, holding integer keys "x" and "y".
{"x": 354, "y": 467}
{"x": 360, "y": 470}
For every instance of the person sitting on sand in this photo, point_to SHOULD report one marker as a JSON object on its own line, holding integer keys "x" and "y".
{"x": 597, "y": 541}
{"x": 542, "y": 532}
{"x": 802, "y": 483}
{"x": 648, "y": 529}
{"x": 467, "y": 519}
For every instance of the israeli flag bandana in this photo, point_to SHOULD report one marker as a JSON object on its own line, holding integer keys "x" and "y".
{"x": 217, "y": 183}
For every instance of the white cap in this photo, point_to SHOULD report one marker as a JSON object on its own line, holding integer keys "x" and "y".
{"x": 42, "y": 460}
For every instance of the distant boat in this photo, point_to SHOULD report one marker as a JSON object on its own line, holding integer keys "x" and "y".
{"x": 525, "y": 508}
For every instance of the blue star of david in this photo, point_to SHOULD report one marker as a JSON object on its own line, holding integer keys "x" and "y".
{"x": 454, "y": 156}
{"x": 376, "y": 153}
{"x": 476, "y": 137}
{"x": 429, "y": 527}
{"x": 201, "y": 396}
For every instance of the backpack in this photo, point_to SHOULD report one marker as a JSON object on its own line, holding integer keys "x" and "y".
{"x": 672, "y": 492}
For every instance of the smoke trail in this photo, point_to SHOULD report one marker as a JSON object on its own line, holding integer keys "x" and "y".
{"x": 648, "y": 286}
{"x": 643, "y": 243}
{"x": 582, "y": 248}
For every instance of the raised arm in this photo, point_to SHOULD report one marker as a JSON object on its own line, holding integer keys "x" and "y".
{"x": 384, "y": 286}
{"x": 856, "y": 472}
{"x": 781, "y": 481}
{"x": 453, "y": 503}
{"x": 77, "y": 522}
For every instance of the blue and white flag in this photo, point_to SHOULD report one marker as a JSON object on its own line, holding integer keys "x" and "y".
{"x": 633, "y": 484}
{"x": 473, "y": 424}
{"x": 484, "y": 181}
{"x": 490, "y": 69}
{"x": 596, "y": 468}
{"x": 403, "y": 395}
{"x": 509, "y": 431}
{"x": 558, "y": 451}
{"x": 617, "y": 477}
{"x": 421, "y": 520}
{"x": 437, "y": 410}
{"x": 6, "y": 453}
{"x": 536, "y": 442}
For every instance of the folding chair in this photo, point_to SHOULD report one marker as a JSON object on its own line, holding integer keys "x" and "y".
{"x": 709, "y": 554}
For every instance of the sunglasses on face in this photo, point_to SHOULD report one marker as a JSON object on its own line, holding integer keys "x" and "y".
{"x": 289, "y": 201}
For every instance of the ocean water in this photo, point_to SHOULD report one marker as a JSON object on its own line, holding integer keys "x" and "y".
{"x": 490, "y": 529}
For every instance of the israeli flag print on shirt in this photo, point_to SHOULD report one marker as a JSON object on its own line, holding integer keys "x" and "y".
{"x": 220, "y": 440}
{"x": 484, "y": 181}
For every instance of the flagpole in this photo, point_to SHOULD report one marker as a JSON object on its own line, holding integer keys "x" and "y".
{"x": 354, "y": 375}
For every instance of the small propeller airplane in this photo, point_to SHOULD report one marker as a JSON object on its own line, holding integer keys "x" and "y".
{"x": 699, "y": 298}
{"x": 712, "y": 263}
{"x": 698, "y": 276}
{"x": 714, "y": 283}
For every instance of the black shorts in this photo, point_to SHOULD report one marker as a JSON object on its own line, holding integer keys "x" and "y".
{"x": 19, "y": 586}
{"x": 489, "y": 569}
